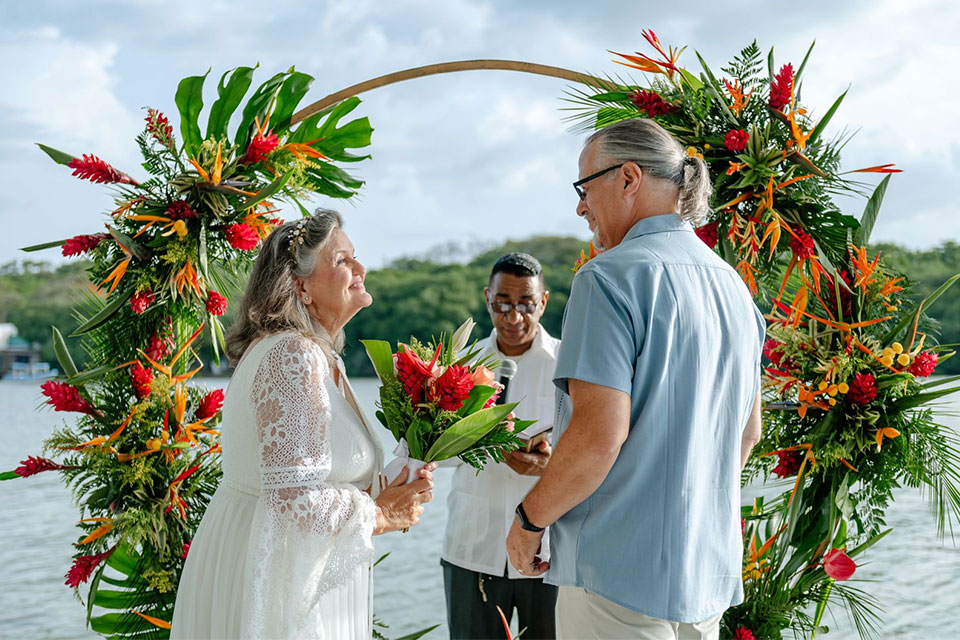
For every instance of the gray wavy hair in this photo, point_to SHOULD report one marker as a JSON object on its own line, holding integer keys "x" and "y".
{"x": 650, "y": 146}
{"x": 271, "y": 304}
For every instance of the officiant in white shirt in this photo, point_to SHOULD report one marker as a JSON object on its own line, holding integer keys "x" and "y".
{"x": 477, "y": 576}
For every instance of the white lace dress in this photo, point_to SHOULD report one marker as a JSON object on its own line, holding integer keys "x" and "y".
{"x": 285, "y": 547}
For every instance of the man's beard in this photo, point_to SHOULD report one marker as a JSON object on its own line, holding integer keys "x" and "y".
{"x": 596, "y": 241}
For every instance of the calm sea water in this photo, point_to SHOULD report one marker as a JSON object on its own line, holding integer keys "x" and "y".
{"x": 911, "y": 571}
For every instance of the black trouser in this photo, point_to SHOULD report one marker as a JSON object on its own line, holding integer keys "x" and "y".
{"x": 472, "y": 600}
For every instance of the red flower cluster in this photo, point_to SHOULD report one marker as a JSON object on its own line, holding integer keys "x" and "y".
{"x": 450, "y": 390}
{"x": 34, "y": 465}
{"x": 709, "y": 234}
{"x": 863, "y": 388}
{"x": 159, "y": 127}
{"x": 413, "y": 372}
{"x": 141, "y": 301}
{"x": 216, "y": 303}
{"x": 830, "y": 296}
{"x": 924, "y": 364}
{"x": 736, "y": 140}
{"x": 78, "y": 245}
{"x": 260, "y": 145}
{"x": 781, "y": 89}
{"x": 210, "y": 405}
{"x": 651, "y": 103}
{"x": 142, "y": 379}
{"x": 180, "y": 210}
{"x": 94, "y": 169}
{"x": 771, "y": 351}
{"x": 158, "y": 347}
{"x": 838, "y": 565}
{"x": 65, "y": 397}
{"x": 743, "y": 634}
{"x": 802, "y": 245}
{"x": 242, "y": 236}
{"x": 83, "y": 568}
{"x": 186, "y": 549}
{"x": 789, "y": 463}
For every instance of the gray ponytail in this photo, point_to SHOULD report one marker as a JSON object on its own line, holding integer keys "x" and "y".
{"x": 660, "y": 155}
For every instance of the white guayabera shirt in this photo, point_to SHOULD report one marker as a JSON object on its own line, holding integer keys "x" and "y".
{"x": 481, "y": 507}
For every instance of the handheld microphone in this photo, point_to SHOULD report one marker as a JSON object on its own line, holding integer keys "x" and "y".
{"x": 508, "y": 369}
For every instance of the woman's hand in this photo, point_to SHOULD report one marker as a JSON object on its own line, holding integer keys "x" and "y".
{"x": 400, "y": 505}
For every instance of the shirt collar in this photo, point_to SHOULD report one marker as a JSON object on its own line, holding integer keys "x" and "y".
{"x": 536, "y": 346}
{"x": 657, "y": 224}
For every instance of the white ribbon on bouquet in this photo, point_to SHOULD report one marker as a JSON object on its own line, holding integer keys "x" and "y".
{"x": 403, "y": 459}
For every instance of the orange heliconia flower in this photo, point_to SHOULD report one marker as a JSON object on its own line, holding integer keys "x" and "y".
{"x": 862, "y": 267}
{"x": 740, "y": 98}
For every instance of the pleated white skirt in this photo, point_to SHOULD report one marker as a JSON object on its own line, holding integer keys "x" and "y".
{"x": 213, "y": 585}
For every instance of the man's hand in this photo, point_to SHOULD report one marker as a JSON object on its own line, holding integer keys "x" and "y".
{"x": 530, "y": 464}
{"x": 523, "y": 547}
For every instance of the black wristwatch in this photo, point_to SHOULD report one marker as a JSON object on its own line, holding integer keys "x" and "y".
{"x": 524, "y": 521}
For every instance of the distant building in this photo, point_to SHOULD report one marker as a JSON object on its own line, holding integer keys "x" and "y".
{"x": 18, "y": 357}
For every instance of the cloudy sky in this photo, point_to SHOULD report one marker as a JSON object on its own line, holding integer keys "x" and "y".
{"x": 473, "y": 157}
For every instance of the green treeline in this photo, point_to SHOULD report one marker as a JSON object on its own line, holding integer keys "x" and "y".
{"x": 423, "y": 298}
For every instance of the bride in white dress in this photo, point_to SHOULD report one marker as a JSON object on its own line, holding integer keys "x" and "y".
{"x": 285, "y": 547}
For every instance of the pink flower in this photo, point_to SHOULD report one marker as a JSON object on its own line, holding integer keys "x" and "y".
{"x": 736, "y": 140}
{"x": 216, "y": 303}
{"x": 743, "y": 633}
{"x": 450, "y": 390}
{"x": 708, "y": 233}
{"x": 483, "y": 376}
{"x": 210, "y": 405}
{"x": 83, "y": 567}
{"x": 141, "y": 301}
{"x": 838, "y": 565}
{"x": 94, "y": 169}
{"x": 79, "y": 245}
{"x": 34, "y": 465}
{"x": 186, "y": 549}
{"x": 242, "y": 236}
{"x": 65, "y": 397}
{"x": 260, "y": 145}
{"x": 924, "y": 364}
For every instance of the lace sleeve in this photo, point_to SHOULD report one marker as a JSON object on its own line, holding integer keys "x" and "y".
{"x": 308, "y": 535}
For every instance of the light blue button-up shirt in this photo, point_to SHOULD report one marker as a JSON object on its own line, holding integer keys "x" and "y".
{"x": 662, "y": 318}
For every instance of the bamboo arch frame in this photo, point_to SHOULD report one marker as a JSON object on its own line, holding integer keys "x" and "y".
{"x": 443, "y": 67}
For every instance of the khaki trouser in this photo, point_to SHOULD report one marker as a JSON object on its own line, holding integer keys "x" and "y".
{"x": 582, "y": 615}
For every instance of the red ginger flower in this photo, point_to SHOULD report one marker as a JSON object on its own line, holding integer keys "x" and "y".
{"x": 412, "y": 372}
{"x": 242, "y": 236}
{"x": 736, "y": 140}
{"x": 260, "y": 145}
{"x": 450, "y": 390}
{"x": 34, "y": 465}
{"x": 743, "y": 634}
{"x": 802, "y": 245}
{"x": 863, "y": 388}
{"x": 651, "y": 103}
{"x": 210, "y": 405}
{"x": 78, "y": 245}
{"x": 83, "y": 567}
{"x": 159, "y": 127}
{"x": 838, "y": 565}
{"x": 65, "y": 397}
{"x": 142, "y": 379}
{"x": 216, "y": 303}
{"x": 709, "y": 234}
{"x": 141, "y": 301}
{"x": 924, "y": 364}
{"x": 789, "y": 463}
{"x": 781, "y": 89}
{"x": 771, "y": 349}
{"x": 157, "y": 347}
{"x": 94, "y": 169}
{"x": 180, "y": 210}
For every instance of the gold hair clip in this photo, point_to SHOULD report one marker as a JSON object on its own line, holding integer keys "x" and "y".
{"x": 297, "y": 236}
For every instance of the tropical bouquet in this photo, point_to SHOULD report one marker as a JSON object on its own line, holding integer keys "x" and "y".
{"x": 438, "y": 399}
{"x": 848, "y": 411}
{"x": 140, "y": 452}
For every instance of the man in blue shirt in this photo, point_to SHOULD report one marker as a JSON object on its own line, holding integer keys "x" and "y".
{"x": 658, "y": 407}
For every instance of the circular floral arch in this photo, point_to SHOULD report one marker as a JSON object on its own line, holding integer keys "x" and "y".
{"x": 846, "y": 359}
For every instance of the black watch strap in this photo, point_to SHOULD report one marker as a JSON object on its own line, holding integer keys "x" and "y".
{"x": 524, "y": 521}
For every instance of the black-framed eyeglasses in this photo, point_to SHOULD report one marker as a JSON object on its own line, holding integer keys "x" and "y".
{"x": 581, "y": 192}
